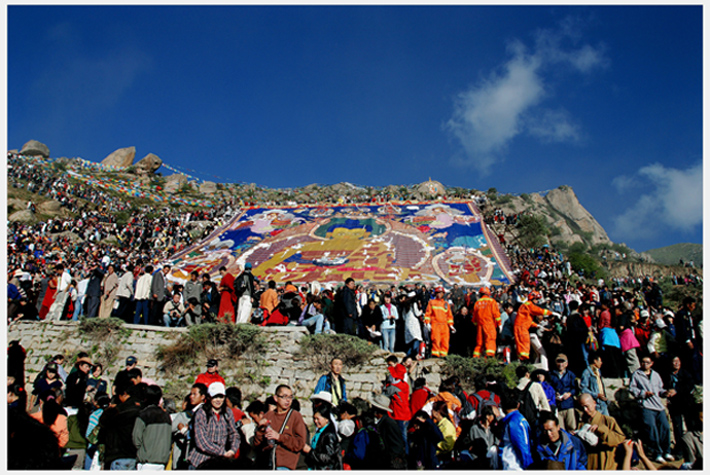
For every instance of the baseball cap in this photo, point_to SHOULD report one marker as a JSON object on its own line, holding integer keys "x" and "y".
{"x": 561, "y": 357}
{"x": 131, "y": 360}
{"x": 216, "y": 389}
{"x": 247, "y": 265}
{"x": 211, "y": 363}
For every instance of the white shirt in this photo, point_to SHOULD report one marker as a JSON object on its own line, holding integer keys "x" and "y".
{"x": 143, "y": 287}
{"x": 64, "y": 281}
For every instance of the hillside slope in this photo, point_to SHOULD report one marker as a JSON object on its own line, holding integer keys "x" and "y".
{"x": 671, "y": 255}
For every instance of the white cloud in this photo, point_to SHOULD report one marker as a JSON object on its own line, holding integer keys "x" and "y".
{"x": 624, "y": 183}
{"x": 676, "y": 202}
{"x": 553, "y": 126}
{"x": 493, "y": 112}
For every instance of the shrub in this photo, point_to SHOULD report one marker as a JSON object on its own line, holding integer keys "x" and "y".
{"x": 505, "y": 199}
{"x": 212, "y": 340}
{"x": 468, "y": 369}
{"x": 320, "y": 349}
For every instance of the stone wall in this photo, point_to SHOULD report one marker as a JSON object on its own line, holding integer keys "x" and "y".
{"x": 255, "y": 377}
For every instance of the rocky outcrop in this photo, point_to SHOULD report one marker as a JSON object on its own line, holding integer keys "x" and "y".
{"x": 565, "y": 202}
{"x": 121, "y": 158}
{"x": 24, "y": 216}
{"x": 208, "y": 188}
{"x": 174, "y": 182}
{"x": 35, "y": 149}
{"x": 148, "y": 164}
{"x": 50, "y": 207}
{"x": 563, "y": 212}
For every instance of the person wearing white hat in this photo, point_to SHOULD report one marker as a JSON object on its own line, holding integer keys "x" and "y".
{"x": 216, "y": 434}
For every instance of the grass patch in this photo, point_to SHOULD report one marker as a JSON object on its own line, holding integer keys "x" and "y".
{"x": 318, "y": 350}
{"x": 99, "y": 329}
{"x": 215, "y": 340}
{"x": 469, "y": 369}
{"x": 107, "y": 336}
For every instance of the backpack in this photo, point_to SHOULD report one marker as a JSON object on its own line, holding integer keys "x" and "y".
{"x": 241, "y": 285}
{"x": 488, "y": 402}
{"x": 375, "y": 452}
{"x": 527, "y": 405}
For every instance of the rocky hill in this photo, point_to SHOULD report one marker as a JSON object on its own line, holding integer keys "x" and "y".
{"x": 567, "y": 221}
{"x": 672, "y": 255}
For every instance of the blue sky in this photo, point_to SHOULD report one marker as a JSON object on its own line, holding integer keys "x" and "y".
{"x": 605, "y": 99}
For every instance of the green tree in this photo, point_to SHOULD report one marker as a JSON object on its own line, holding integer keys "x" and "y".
{"x": 532, "y": 231}
{"x": 588, "y": 264}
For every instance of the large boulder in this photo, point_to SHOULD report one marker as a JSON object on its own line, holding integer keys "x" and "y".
{"x": 51, "y": 206}
{"x": 35, "y": 149}
{"x": 174, "y": 182}
{"x": 24, "y": 216}
{"x": 121, "y": 158}
{"x": 208, "y": 188}
{"x": 148, "y": 164}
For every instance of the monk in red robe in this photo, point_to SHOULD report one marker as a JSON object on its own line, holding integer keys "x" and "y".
{"x": 226, "y": 297}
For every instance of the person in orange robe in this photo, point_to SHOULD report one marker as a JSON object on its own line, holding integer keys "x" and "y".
{"x": 523, "y": 321}
{"x": 486, "y": 315}
{"x": 226, "y": 297}
{"x": 439, "y": 320}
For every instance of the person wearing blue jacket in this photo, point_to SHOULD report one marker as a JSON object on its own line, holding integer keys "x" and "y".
{"x": 559, "y": 446}
{"x": 593, "y": 384}
{"x": 515, "y": 447}
{"x": 563, "y": 381}
{"x": 333, "y": 382}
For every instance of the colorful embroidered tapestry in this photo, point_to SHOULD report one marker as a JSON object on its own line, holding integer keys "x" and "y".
{"x": 428, "y": 242}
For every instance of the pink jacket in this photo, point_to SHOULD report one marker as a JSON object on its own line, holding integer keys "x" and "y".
{"x": 628, "y": 340}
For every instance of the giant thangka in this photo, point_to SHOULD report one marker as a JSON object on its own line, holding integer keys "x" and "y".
{"x": 428, "y": 242}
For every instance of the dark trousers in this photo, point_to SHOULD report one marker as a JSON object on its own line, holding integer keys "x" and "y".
{"x": 350, "y": 326}
{"x": 123, "y": 311}
{"x": 658, "y": 432}
{"x": 156, "y": 312}
{"x": 92, "y": 305}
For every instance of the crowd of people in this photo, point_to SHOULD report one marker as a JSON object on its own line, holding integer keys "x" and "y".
{"x": 577, "y": 332}
{"x": 548, "y": 420}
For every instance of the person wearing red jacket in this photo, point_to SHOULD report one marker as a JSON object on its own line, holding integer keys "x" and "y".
{"x": 211, "y": 375}
{"x": 523, "y": 321}
{"x": 399, "y": 399}
{"x": 420, "y": 395}
{"x": 486, "y": 317}
{"x": 439, "y": 320}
